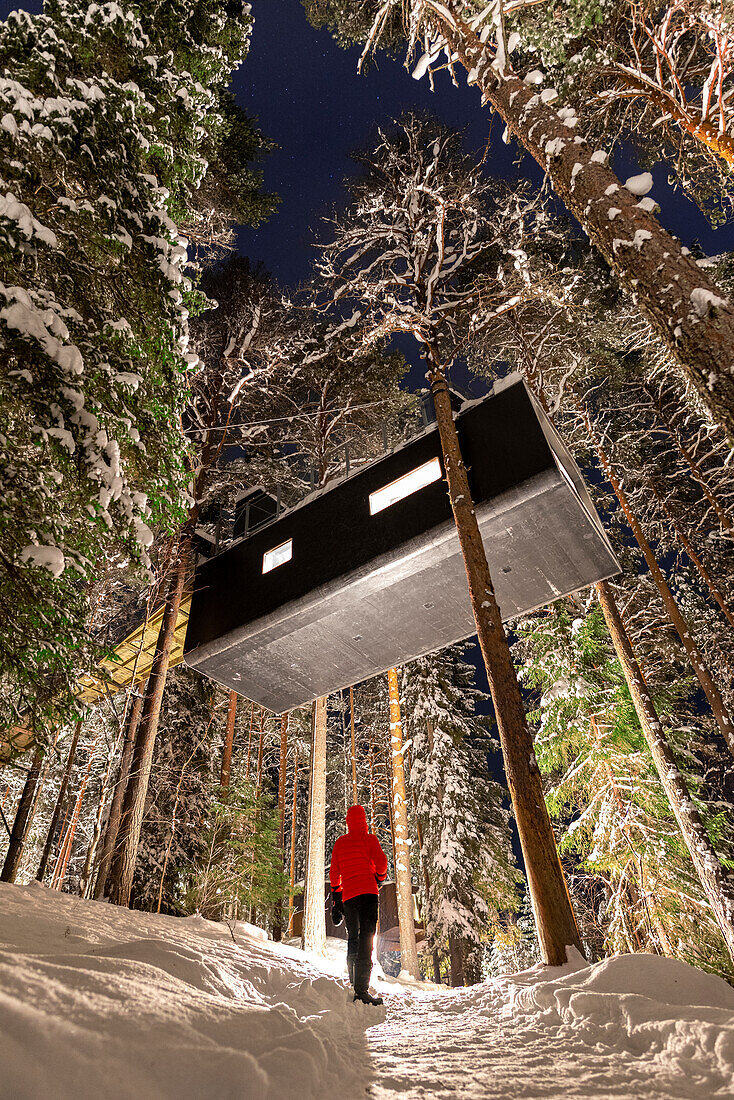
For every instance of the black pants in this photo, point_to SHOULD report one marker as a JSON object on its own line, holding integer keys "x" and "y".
{"x": 360, "y": 917}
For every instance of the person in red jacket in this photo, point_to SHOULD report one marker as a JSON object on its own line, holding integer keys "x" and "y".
{"x": 358, "y": 867}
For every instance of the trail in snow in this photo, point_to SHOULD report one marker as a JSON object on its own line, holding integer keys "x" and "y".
{"x": 442, "y": 1046}
{"x": 99, "y": 1001}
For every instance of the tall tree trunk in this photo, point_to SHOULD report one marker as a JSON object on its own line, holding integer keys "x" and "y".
{"x": 113, "y": 821}
{"x": 355, "y": 792}
{"x": 122, "y": 870}
{"x": 715, "y": 882}
{"x": 684, "y": 306}
{"x": 372, "y": 785}
{"x": 406, "y": 922}
{"x": 22, "y": 815}
{"x": 714, "y": 591}
{"x": 65, "y": 855}
{"x": 292, "y": 879}
{"x": 228, "y": 741}
{"x": 554, "y": 916}
{"x": 427, "y": 888}
{"x": 705, "y": 679}
{"x": 456, "y": 962}
{"x": 314, "y": 922}
{"x": 85, "y": 881}
{"x": 61, "y": 797}
{"x": 260, "y": 749}
{"x": 278, "y": 923}
{"x": 249, "y": 741}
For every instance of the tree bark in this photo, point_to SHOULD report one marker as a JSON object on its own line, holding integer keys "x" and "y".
{"x": 113, "y": 821}
{"x": 20, "y": 822}
{"x": 292, "y": 879}
{"x": 60, "y": 799}
{"x": 714, "y": 880}
{"x": 228, "y": 742}
{"x": 122, "y": 870}
{"x": 355, "y": 792}
{"x": 456, "y": 962}
{"x": 705, "y": 679}
{"x": 278, "y": 923}
{"x": 62, "y": 862}
{"x": 85, "y": 880}
{"x": 314, "y": 918}
{"x": 650, "y": 263}
{"x": 406, "y": 922}
{"x": 554, "y": 916}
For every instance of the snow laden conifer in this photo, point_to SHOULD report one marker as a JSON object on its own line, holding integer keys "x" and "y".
{"x": 106, "y": 114}
{"x": 467, "y": 853}
{"x": 603, "y": 787}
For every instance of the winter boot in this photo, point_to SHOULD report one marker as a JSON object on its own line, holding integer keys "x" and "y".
{"x": 351, "y": 963}
{"x": 362, "y": 993}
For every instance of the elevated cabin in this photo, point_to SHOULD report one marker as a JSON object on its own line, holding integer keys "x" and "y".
{"x": 367, "y": 573}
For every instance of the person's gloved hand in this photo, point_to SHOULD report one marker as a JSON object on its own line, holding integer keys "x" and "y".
{"x": 337, "y": 913}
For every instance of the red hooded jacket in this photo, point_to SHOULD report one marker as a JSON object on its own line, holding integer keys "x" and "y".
{"x": 358, "y": 862}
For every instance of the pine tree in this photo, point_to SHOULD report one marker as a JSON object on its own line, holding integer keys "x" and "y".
{"x": 604, "y": 789}
{"x": 108, "y": 115}
{"x": 464, "y": 822}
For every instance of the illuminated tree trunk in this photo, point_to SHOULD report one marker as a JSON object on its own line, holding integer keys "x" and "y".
{"x": 355, "y": 792}
{"x": 427, "y": 888}
{"x": 113, "y": 821}
{"x": 60, "y": 799}
{"x": 228, "y": 742}
{"x": 22, "y": 815}
{"x": 456, "y": 962}
{"x": 260, "y": 750}
{"x": 554, "y": 916}
{"x": 314, "y": 919}
{"x": 705, "y": 679}
{"x": 122, "y": 870}
{"x": 85, "y": 880}
{"x": 249, "y": 741}
{"x": 292, "y": 879}
{"x": 278, "y": 923}
{"x": 406, "y": 922}
{"x": 716, "y": 884}
{"x": 679, "y": 300}
{"x": 65, "y": 855}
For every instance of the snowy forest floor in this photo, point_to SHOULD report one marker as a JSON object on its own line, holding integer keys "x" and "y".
{"x": 98, "y": 1001}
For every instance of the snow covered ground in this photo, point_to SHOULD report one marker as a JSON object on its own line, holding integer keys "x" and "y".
{"x": 97, "y": 1001}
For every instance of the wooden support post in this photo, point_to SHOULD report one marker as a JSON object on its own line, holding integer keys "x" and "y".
{"x": 314, "y": 917}
{"x": 278, "y": 922}
{"x": 355, "y": 792}
{"x": 291, "y": 892}
{"x": 228, "y": 742}
{"x": 406, "y": 922}
{"x": 554, "y": 916}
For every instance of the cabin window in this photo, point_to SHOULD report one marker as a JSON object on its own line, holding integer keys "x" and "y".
{"x": 279, "y": 555}
{"x": 405, "y": 485}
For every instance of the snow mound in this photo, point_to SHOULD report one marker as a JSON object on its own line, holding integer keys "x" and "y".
{"x": 680, "y": 1016}
{"x": 100, "y": 1001}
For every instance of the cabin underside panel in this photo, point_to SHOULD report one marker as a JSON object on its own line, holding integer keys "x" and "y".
{"x": 541, "y": 543}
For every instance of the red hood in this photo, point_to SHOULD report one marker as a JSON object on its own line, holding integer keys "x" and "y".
{"x": 356, "y": 819}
